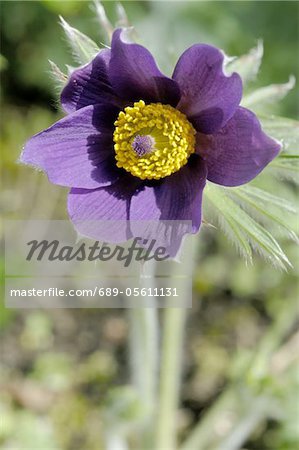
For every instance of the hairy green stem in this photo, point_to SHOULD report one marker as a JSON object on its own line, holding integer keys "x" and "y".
{"x": 115, "y": 440}
{"x": 174, "y": 321}
{"x": 144, "y": 337}
{"x": 171, "y": 359}
{"x": 257, "y": 411}
{"x": 201, "y": 436}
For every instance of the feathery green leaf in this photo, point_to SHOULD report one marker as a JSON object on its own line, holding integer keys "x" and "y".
{"x": 269, "y": 94}
{"x": 283, "y": 129}
{"x": 247, "y": 66}
{"x": 265, "y": 207}
{"x": 286, "y": 167}
{"x": 57, "y": 74}
{"x": 84, "y": 48}
{"x": 103, "y": 20}
{"x": 227, "y": 223}
{"x": 123, "y": 20}
{"x": 265, "y": 197}
{"x": 243, "y": 230}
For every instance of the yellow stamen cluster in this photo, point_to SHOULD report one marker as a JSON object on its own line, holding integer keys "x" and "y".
{"x": 172, "y": 135}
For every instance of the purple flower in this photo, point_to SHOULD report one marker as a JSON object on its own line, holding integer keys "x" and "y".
{"x": 137, "y": 145}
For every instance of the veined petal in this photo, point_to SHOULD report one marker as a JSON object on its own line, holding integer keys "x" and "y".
{"x": 77, "y": 151}
{"x": 177, "y": 198}
{"x": 89, "y": 85}
{"x": 135, "y": 76}
{"x": 239, "y": 151}
{"x": 209, "y": 97}
{"x": 103, "y": 213}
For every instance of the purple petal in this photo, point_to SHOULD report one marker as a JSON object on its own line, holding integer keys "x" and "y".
{"x": 77, "y": 151}
{"x": 89, "y": 85}
{"x": 209, "y": 97}
{"x": 239, "y": 151}
{"x": 103, "y": 213}
{"x": 177, "y": 198}
{"x": 135, "y": 76}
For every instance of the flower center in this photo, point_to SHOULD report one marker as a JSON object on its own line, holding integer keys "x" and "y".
{"x": 152, "y": 141}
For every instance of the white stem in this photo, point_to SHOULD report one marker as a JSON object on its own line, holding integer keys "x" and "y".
{"x": 243, "y": 429}
{"x": 201, "y": 437}
{"x": 144, "y": 349}
{"x": 144, "y": 341}
{"x": 174, "y": 321}
{"x": 115, "y": 441}
{"x": 171, "y": 362}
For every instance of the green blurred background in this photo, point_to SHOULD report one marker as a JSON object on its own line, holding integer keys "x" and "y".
{"x": 60, "y": 368}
